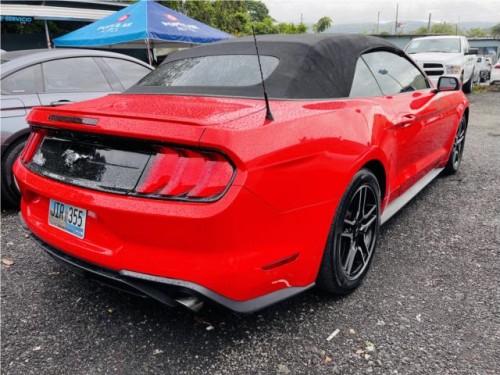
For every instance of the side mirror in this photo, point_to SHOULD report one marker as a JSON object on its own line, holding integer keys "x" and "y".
{"x": 472, "y": 51}
{"x": 448, "y": 84}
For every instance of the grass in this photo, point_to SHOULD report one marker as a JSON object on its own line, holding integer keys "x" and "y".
{"x": 485, "y": 88}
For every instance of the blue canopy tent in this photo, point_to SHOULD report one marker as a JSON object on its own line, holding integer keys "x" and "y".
{"x": 142, "y": 24}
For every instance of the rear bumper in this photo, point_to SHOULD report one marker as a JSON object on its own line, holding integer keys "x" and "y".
{"x": 218, "y": 250}
{"x": 164, "y": 290}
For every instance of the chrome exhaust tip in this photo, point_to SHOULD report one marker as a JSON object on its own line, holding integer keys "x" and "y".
{"x": 191, "y": 302}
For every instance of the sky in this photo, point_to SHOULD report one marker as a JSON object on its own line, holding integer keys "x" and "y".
{"x": 360, "y": 11}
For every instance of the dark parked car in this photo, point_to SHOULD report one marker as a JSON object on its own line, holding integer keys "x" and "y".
{"x": 49, "y": 78}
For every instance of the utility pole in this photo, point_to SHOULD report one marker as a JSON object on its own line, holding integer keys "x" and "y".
{"x": 429, "y": 24}
{"x": 396, "y": 24}
{"x": 456, "y": 27}
{"x": 378, "y": 22}
{"x": 301, "y": 18}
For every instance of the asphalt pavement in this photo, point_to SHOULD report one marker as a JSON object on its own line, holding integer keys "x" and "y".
{"x": 430, "y": 304}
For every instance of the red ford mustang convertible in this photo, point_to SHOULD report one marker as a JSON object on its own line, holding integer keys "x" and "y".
{"x": 190, "y": 187}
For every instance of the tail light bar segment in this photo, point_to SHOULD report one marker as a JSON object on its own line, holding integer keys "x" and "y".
{"x": 172, "y": 172}
{"x": 185, "y": 173}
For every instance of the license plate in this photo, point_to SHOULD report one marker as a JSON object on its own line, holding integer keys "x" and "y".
{"x": 70, "y": 219}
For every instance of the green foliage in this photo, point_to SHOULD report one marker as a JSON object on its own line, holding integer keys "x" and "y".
{"x": 266, "y": 26}
{"x": 476, "y": 33}
{"x": 234, "y": 16}
{"x": 229, "y": 16}
{"x": 438, "y": 28}
{"x": 291, "y": 28}
{"x": 38, "y": 27}
{"x": 173, "y": 4}
{"x": 257, "y": 10}
{"x": 323, "y": 24}
{"x": 495, "y": 30}
{"x": 421, "y": 31}
{"x": 443, "y": 28}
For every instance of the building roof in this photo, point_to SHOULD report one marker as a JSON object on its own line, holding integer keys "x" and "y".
{"x": 62, "y": 10}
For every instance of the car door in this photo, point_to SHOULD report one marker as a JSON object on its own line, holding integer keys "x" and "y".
{"x": 127, "y": 72}
{"x": 420, "y": 126}
{"x": 19, "y": 95}
{"x": 470, "y": 60}
{"x": 72, "y": 80}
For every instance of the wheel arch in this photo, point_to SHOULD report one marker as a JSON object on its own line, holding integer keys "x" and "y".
{"x": 377, "y": 168}
{"x": 14, "y": 138}
{"x": 381, "y": 164}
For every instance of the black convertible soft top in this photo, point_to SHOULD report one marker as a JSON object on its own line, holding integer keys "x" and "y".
{"x": 311, "y": 66}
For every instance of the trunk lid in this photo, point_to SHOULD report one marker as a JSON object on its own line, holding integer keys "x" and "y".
{"x": 155, "y": 117}
{"x": 201, "y": 111}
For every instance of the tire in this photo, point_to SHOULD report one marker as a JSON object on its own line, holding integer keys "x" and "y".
{"x": 457, "y": 149}
{"x": 345, "y": 260}
{"x": 10, "y": 193}
{"x": 467, "y": 87}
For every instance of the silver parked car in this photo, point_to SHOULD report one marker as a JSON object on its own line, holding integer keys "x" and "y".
{"x": 52, "y": 77}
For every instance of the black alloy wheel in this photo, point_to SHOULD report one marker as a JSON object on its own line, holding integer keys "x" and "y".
{"x": 457, "y": 149}
{"x": 358, "y": 237}
{"x": 353, "y": 236}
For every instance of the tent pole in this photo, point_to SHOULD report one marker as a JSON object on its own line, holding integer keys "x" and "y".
{"x": 47, "y": 35}
{"x": 150, "y": 58}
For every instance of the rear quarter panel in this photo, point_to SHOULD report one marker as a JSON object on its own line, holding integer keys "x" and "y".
{"x": 308, "y": 155}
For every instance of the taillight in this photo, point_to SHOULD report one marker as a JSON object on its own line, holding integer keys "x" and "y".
{"x": 32, "y": 144}
{"x": 497, "y": 66}
{"x": 176, "y": 173}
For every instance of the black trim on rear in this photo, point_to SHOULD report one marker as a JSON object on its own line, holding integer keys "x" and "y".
{"x": 164, "y": 290}
{"x": 122, "y": 144}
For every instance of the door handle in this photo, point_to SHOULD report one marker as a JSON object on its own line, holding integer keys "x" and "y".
{"x": 60, "y": 102}
{"x": 407, "y": 120}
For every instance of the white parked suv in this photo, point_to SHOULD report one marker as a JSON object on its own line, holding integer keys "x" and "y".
{"x": 445, "y": 55}
{"x": 483, "y": 68}
{"x": 495, "y": 74}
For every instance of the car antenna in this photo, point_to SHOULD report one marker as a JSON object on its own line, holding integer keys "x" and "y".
{"x": 269, "y": 115}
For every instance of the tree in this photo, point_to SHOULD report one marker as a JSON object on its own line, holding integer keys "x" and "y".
{"x": 301, "y": 28}
{"x": 476, "y": 33}
{"x": 323, "y": 24}
{"x": 258, "y": 10}
{"x": 266, "y": 26}
{"x": 230, "y": 16}
{"x": 495, "y": 30}
{"x": 438, "y": 28}
{"x": 234, "y": 16}
{"x": 172, "y": 4}
{"x": 443, "y": 28}
{"x": 422, "y": 30}
{"x": 291, "y": 28}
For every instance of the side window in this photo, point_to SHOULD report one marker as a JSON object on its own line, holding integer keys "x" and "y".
{"x": 364, "y": 83}
{"x": 394, "y": 73}
{"x": 25, "y": 81}
{"x": 128, "y": 73}
{"x": 80, "y": 74}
